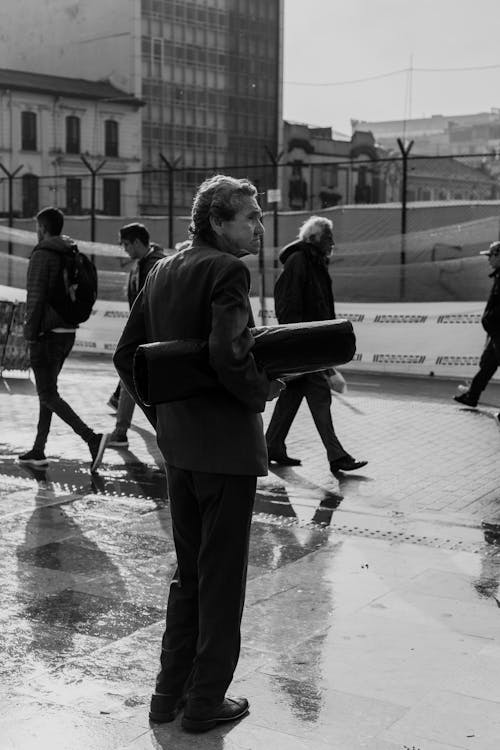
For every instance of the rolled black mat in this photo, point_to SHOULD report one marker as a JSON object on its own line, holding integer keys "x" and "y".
{"x": 175, "y": 370}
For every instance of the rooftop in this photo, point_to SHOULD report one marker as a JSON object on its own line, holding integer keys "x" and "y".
{"x": 76, "y": 88}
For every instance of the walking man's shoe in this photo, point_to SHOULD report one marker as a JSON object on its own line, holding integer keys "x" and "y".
{"x": 466, "y": 399}
{"x": 229, "y": 710}
{"x": 97, "y": 445}
{"x": 117, "y": 440}
{"x": 282, "y": 459}
{"x": 346, "y": 463}
{"x": 164, "y": 708}
{"x": 33, "y": 458}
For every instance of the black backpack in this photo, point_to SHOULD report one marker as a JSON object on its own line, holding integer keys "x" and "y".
{"x": 76, "y": 289}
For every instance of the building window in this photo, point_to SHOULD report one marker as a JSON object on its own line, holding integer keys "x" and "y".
{"x": 30, "y": 194}
{"x": 111, "y": 197}
{"x": 73, "y": 196}
{"x": 72, "y": 135}
{"x": 28, "y": 131}
{"x": 111, "y": 138}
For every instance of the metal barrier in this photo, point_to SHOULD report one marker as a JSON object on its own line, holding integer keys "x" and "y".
{"x": 13, "y": 346}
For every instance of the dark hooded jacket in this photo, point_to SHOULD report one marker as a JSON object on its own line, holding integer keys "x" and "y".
{"x": 144, "y": 266}
{"x": 491, "y": 316}
{"x": 303, "y": 292}
{"x": 43, "y": 273}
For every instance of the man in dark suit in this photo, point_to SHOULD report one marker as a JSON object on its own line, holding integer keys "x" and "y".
{"x": 213, "y": 446}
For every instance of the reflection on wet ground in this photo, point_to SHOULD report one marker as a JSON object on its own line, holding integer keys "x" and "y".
{"x": 133, "y": 478}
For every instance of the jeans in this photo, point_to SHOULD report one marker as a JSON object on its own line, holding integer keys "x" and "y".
{"x": 211, "y": 516}
{"x": 488, "y": 365}
{"x": 125, "y": 411}
{"x": 47, "y": 356}
{"x": 316, "y": 390}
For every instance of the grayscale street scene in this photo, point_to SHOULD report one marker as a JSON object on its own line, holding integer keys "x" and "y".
{"x": 249, "y": 384}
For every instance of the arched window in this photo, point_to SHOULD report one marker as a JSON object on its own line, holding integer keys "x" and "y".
{"x": 73, "y": 135}
{"x": 30, "y": 194}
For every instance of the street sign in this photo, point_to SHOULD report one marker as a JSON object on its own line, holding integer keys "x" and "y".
{"x": 274, "y": 195}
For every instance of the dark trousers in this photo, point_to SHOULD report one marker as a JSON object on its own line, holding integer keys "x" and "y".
{"x": 315, "y": 389}
{"x": 47, "y": 357}
{"x": 488, "y": 365}
{"x": 211, "y": 516}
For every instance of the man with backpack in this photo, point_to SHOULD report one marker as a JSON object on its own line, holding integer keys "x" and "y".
{"x": 61, "y": 289}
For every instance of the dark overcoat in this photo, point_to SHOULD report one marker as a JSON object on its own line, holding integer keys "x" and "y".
{"x": 202, "y": 293}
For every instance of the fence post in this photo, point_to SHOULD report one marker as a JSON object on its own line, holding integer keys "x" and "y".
{"x": 93, "y": 173}
{"x": 275, "y": 161}
{"x": 171, "y": 173}
{"x": 404, "y": 152}
{"x": 10, "y": 178}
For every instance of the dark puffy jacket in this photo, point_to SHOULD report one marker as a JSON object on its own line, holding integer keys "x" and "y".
{"x": 303, "y": 292}
{"x": 144, "y": 265}
{"x": 491, "y": 315}
{"x": 43, "y": 272}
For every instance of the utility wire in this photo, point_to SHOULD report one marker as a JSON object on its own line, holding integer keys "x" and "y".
{"x": 392, "y": 73}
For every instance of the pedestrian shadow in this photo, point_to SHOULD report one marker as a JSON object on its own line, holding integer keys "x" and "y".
{"x": 173, "y": 736}
{"x": 54, "y": 562}
{"x": 345, "y": 479}
{"x": 150, "y": 443}
{"x": 151, "y": 481}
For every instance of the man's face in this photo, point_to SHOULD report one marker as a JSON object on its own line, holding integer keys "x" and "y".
{"x": 40, "y": 231}
{"x": 131, "y": 248}
{"x": 326, "y": 243}
{"x": 241, "y": 235}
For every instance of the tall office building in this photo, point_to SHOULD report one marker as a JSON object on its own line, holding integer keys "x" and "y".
{"x": 211, "y": 77}
{"x": 208, "y": 71}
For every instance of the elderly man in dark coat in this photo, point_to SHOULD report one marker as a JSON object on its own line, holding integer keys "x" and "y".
{"x": 303, "y": 292}
{"x": 213, "y": 446}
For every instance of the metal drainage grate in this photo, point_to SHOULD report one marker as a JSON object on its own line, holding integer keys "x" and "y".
{"x": 405, "y": 537}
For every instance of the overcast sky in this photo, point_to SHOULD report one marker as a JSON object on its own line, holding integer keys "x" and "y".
{"x": 332, "y": 41}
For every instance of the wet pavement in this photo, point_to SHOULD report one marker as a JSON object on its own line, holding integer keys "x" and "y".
{"x": 373, "y": 605}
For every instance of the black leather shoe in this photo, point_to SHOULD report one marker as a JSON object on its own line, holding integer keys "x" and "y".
{"x": 283, "y": 460}
{"x": 164, "y": 708}
{"x": 466, "y": 399}
{"x": 346, "y": 463}
{"x": 229, "y": 710}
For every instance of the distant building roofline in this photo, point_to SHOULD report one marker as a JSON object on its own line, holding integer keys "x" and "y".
{"x": 73, "y": 88}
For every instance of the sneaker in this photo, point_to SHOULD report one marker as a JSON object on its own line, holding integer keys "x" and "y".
{"x": 117, "y": 440}
{"x": 33, "y": 458}
{"x": 97, "y": 445}
{"x": 466, "y": 399}
{"x": 113, "y": 402}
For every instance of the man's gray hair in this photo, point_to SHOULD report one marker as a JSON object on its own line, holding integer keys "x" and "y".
{"x": 219, "y": 197}
{"x": 314, "y": 227}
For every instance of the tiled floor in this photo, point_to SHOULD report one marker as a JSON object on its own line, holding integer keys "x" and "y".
{"x": 372, "y": 618}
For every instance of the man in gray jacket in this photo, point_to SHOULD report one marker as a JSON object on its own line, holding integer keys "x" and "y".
{"x": 213, "y": 446}
{"x": 51, "y": 339}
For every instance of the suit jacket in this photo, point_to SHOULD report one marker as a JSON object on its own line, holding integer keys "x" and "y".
{"x": 202, "y": 293}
